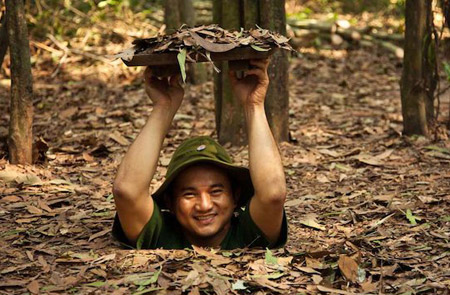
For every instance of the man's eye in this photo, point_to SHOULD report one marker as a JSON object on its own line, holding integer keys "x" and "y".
{"x": 216, "y": 192}
{"x": 188, "y": 195}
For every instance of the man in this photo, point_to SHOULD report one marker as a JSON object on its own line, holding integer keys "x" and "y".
{"x": 210, "y": 201}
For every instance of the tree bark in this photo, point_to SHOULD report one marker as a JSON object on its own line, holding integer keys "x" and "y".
{"x": 273, "y": 17}
{"x": 176, "y": 13}
{"x": 250, "y": 13}
{"x": 3, "y": 38}
{"x": 172, "y": 15}
{"x": 229, "y": 113}
{"x": 417, "y": 84}
{"x": 187, "y": 12}
{"x": 20, "y": 137}
{"x": 269, "y": 14}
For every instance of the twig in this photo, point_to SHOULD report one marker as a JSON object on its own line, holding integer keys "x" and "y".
{"x": 45, "y": 47}
{"x": 365, "y": 36}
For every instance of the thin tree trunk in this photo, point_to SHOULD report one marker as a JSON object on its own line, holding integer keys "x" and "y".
{"x": 3, "y": 38}
{"x": 172, "y": 15}
{"x": 176, "y": 13}
{"x": 250, "y": 12}
{"x": 196, "y": 72}
{"x": 21, "y": 108}
{"x": 273, "y": 17}
{"x": 415, "y": 83}
{"x": 430, "y": 64}
{"x": 229, "y": 113}
{"x": 187, "y": 12}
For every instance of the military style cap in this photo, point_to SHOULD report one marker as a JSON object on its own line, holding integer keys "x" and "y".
{"x": 204, "y": 149}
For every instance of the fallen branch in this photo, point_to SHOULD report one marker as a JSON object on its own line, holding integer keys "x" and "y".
{"x": 398, "y": 51}
{"x": 311, "y": 29}
{"x": 399, "y": 38}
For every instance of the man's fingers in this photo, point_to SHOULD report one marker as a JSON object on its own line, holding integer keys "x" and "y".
{"x": 175, "y": 80}
{"x": 257, "y": 72}
{"x": 147, "y": 74}
{"x": 233, "y": 77}
{"x": 260, "y": 63}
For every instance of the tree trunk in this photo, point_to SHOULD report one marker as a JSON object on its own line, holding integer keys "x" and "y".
{"x": 3, "y": 38}
{"x": 172, "y": 15}
{"x": 21, "y": 108}
{"x": 273, "y": 17}
{"x": 196, "y": 72}
{"x": 418, "y": 80}
{"x": 187, "y": 12}
{"x": 229, "y": 112}
{"x": 269, "y": 14}
{"x": 250, "y": 12}
{"x": 176, "y": 13}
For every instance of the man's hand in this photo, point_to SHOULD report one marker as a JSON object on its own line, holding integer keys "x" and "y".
{"x": 252, "y": 88}
{"x": 135, "y": 173}
{"x": 164, "y": 92}
{"x": 266, "y": 169}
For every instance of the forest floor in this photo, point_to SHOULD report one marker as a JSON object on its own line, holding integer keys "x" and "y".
{"x": 368, "y": 209}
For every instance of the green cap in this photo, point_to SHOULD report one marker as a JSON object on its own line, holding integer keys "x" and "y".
{"x": 204, "y": 149}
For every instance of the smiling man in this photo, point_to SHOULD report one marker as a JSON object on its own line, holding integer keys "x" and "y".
{"x": 205, "y": 199}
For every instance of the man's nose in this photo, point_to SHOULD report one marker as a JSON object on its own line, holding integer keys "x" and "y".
{"x": 204, "y": 203}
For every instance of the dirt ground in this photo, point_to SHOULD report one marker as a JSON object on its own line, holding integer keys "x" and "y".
{"x": 368, "y": 209}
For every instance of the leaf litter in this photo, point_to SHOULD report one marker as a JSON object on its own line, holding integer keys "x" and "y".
{"x": 208, "y": 38}
{"x": 378, "y": 224}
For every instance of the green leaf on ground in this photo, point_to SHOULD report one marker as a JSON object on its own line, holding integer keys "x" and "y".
{"x": 410, "y": 217}
{"x": 446, "y": 218}
{"x": 270, "y": 259}
{"x": 239, "y": 285}
{"x": 151, "y": 280}
{"x": 439, "y": 149}
{"x": 96, "y": 284}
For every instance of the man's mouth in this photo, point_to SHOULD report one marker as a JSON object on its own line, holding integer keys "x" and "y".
{"x": 205, "y": 219}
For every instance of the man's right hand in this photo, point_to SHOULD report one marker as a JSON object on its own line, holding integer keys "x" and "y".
{"x": 135, "y": 173}
{"x": 165, "y": 92}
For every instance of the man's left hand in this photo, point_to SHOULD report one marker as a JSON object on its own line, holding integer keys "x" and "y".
{"x": 252, "y": 88}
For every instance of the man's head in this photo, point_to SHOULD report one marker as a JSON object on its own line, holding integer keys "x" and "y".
{"x": 202, "y": 168}
{"x": 203, "y": 202}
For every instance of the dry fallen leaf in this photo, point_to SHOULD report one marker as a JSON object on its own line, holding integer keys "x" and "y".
{"x": 117, "y": 137}
{"x": 348, "y": 267}
{"x": 99, "y": 234}
{"x": 310, "y": 221}
{"x": 33, "y": 287}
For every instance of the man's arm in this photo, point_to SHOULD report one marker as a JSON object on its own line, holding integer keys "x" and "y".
{"x": 266, "y": 169}
{"x": 132, "y": 183}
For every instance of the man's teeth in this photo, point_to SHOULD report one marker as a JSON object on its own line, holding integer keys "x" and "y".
{"x": 204, "y": 217}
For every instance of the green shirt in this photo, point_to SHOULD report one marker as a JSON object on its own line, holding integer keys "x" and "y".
{"x": 164, "y": 231}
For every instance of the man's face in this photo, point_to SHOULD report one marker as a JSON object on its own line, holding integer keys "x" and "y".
{"x": 203, "y": 204}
